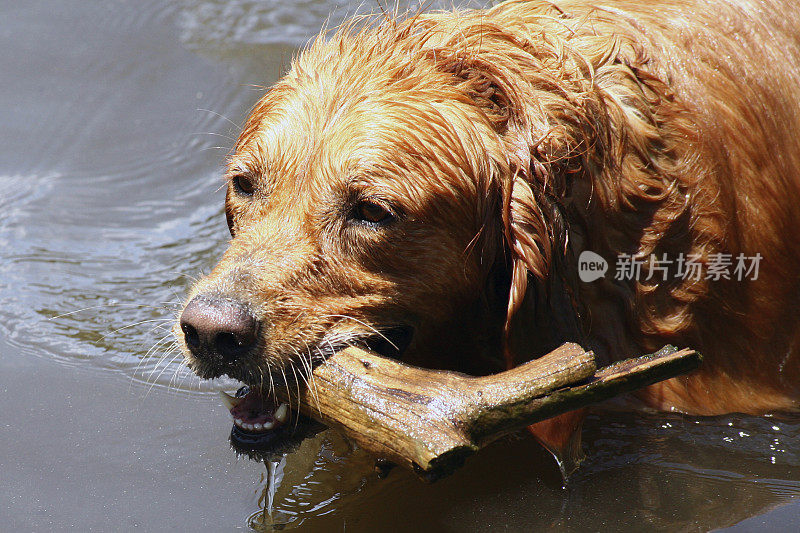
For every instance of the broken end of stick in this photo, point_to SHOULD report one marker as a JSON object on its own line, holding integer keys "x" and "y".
{"x": 668, "y": 362}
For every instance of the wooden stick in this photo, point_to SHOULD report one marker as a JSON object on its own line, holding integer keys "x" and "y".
{"x": 433, "y": 420}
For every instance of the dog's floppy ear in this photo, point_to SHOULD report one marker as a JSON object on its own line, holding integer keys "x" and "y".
{"x": 533, "y": 187}
{"x": 543, "y": 282}
{"x": 530, "y": 187}
{"x": 543, "y": 273}
{"x": 528, "y": 238}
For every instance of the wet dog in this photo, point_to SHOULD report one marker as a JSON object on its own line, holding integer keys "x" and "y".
{"x": 427, "y": 187}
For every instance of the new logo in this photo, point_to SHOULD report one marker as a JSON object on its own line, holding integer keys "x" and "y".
{"x": 591, "y": 266}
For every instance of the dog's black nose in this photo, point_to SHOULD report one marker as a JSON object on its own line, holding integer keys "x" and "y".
{"x": 218, "y": 329}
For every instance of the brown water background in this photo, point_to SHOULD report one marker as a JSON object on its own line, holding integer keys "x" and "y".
{"x": 115, "y": 117}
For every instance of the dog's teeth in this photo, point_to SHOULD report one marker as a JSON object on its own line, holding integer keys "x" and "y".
{"x": 269, "y": 425}
{"x": 282, "y": 413}
{"x": 229, "y": 401}
{"x": 247, "y": 426}
{"x": 257, "y": 426}
{"x": 238, "y": 422}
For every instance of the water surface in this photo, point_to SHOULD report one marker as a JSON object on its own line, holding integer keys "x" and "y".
{"x": 117, "y": 116}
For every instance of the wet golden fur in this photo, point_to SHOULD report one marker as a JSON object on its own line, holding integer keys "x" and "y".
{"x": 507, "y": 141}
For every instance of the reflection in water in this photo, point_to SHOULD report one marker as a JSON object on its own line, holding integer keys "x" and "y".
{"x": 664, "y": 473}
{"x": 318, "y": 479}
{"x": 117, "y": 117}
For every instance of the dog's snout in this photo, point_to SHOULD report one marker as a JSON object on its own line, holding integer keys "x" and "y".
{"x": 218, "y": 328}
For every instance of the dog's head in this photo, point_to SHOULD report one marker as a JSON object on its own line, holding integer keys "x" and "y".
{"x": 388, "y": 191}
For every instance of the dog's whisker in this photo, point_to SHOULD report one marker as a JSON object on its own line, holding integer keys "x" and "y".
{"x": 313, "y": 382}
{"x": 134, "y": 324}
{"x": 207, "y": 148}
{"x": 111, "y": 304}
{"x": 160, "y": 328}
{"x": 167, "y": 366}
{"x": 220, "y": 115}
{"x": 214, "y": 134}
{"x": 162, "y": 341}
{"x": 162, "y": 360}
{"x": 155, "y": 380}
{"x": 303, "y": 368}
{"x": 330, "y": 345}
{"x": 368, "y": 326}
{"x": 309, "y": 378}
{"x": 173, "y": 380}
{"x": 286, "y": 382}
{"x": 297, "y": 384}
{"x": 153, "y": 348}
{"x": 190, "y": 277}
{"x": 272, "y": 391}
{"x": 176, "y": 372}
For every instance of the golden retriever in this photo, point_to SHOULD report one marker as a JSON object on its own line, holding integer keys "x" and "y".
{"x": 427, "y": 187}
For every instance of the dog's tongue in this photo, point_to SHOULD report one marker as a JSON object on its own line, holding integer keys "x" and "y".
{"x": 255, "y": 411}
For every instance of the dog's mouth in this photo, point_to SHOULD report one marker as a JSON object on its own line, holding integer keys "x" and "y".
{"x": 254, "y": 412}
{"x": 263, "y": 426}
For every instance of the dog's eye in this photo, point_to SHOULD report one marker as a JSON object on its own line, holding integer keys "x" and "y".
{"x": 374, "y": 213}
{"x": 243, "y": 185}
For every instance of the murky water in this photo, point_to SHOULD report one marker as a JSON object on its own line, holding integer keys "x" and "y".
{"x": 116, "y": 116}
